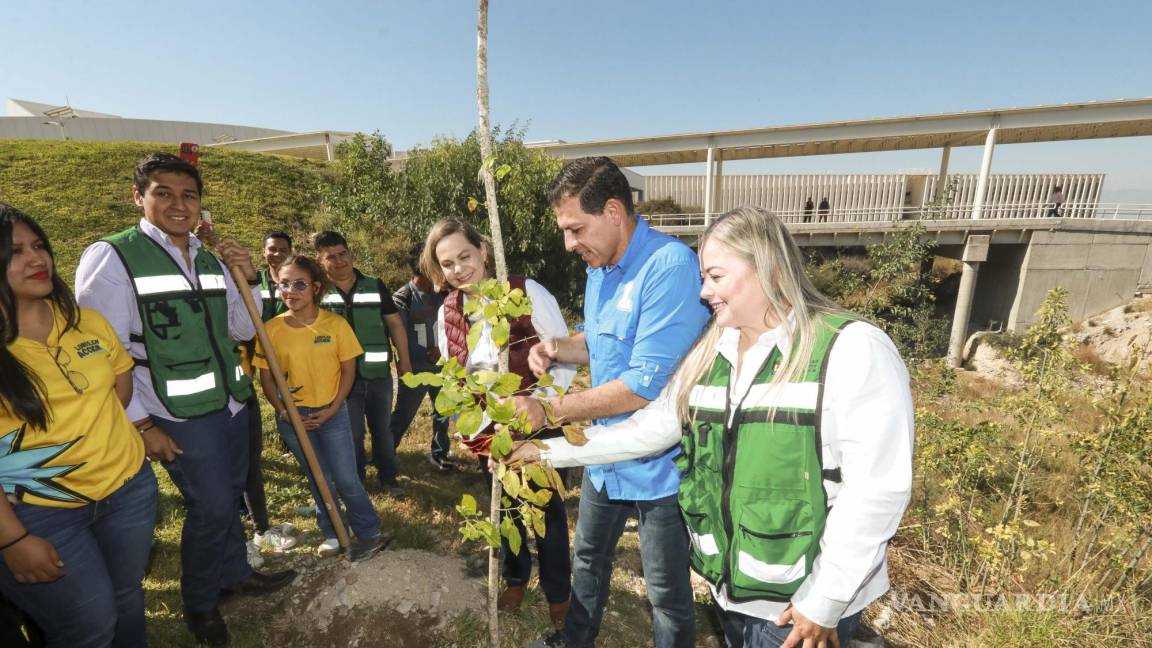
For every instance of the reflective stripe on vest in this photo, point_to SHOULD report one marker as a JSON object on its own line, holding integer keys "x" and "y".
{"x": 376, "y": 356}
{"x": 162, "y": 284}
{"x": 201, "y": 383}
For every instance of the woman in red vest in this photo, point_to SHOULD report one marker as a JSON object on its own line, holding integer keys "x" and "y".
{"x": 456, "y": 256}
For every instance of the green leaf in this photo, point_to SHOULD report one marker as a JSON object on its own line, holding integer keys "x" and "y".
{"x": 474, "y": 332}
{"x": 536, "y": 473}
{"x": 508, "y": 530}
{"x": 500, "y": 332}
{"x": 491, "y": 311}
{"x": 501, "y": 411}
{"x": 467, "y": 505}
{"x": 468, "y": 423}
{"x": 512, "y": 484}
{"x": 485, "y": 377}
{"x": 473, "y": 204}
{"x": 503, "y": 170}
{"x": 508, "y": 384}
{"x": 501, "y": 444}
{"x": 535, "y": 518}
{"x": 545, "y": 381}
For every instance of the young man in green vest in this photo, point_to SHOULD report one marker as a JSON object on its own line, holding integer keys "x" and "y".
{"x": 177, "y": 311}
{"x": 367, "y": 305}
{"x": 277, "y": 249}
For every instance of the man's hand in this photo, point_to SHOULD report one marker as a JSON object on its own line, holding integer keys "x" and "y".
{"x": 158, "y": 446}
{"x": 541, "y": 356}
{"x": 403, "y": 367}
{"x": 235, "y": 255}
{"x": 523, "y": 452}
{"x": 34, "y": 560}
{"x": 806, "y": 633}
{"x": 533, "y": 408}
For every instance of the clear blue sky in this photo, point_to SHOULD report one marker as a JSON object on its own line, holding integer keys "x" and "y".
{"x": 595, "y": 69}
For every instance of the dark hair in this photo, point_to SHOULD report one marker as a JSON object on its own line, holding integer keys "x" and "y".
{"x": 277, "y": 234}
{"x": 328, "y": 238}
{"x": 21, "y": 391}
{"x": 309, "y": 265}
{"x": 414, "y": 254}
{"x": 594, "y": 180}
{"x": 156, "y": 162}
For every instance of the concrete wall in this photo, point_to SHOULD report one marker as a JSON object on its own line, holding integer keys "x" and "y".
{"x": 1101, "y": 270}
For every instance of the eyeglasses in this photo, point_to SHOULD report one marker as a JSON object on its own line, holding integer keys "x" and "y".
{"x": 76, "y": 379}
{"x": 294, "y": 286}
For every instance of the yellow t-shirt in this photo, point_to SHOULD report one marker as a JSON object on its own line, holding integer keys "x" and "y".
{"x": 90, "y": 448}
{"x": 310, "y": 356}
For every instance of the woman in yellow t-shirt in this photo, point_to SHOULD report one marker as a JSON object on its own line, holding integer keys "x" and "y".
{"x": 79, "y": 504}
{"x": 317, "y": 351}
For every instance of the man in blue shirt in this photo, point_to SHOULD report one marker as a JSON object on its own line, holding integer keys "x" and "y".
{"x": 642, "y": 313}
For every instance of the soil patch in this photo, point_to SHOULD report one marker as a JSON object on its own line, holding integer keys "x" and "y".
{"x": 402, "y": 598}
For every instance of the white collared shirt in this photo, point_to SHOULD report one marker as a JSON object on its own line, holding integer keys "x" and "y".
{"x": 103, "y": 284}
{"x": 867, "y": 431}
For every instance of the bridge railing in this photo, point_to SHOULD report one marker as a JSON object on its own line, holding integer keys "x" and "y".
{"x": 1031, "y": 210}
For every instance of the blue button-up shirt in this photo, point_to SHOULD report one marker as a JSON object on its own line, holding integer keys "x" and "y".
{"x": 641, "y": 317}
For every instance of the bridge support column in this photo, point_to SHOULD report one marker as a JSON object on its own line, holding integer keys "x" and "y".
{"x": 975, "y": 253}
{"x": 942, "y": 177}
{"x": 718, "y": 185}
{"x": 985, "y": 169}
{"x": 709, "y": 177}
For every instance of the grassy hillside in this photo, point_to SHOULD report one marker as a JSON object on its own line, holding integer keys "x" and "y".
{"x": 82, "y": 191}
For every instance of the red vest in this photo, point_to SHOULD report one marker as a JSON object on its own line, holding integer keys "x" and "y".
{"x": 521, "y": 337}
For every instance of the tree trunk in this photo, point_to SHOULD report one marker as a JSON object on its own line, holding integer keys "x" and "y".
{"x": 487, "y": 164}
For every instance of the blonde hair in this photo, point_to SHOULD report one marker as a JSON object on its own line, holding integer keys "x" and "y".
{"x": 762, "y": 241}
{"x": 430, "y": 263}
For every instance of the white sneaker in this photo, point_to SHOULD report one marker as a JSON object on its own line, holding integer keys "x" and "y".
{"x": 330, "y": 547}
{"x": 275, "y": 539}
{"x": 254, "y": 557}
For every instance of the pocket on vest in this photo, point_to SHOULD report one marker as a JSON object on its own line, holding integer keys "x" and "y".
{"x": 772, "y": 546}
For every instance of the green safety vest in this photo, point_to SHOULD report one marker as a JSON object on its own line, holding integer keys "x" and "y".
{"x": 273, "y": 305}
{"x": 361, "y": 307}
{"x": 752, "y": 493}
{"x": 194, "y": 361}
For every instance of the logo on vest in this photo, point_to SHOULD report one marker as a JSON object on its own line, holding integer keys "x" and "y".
{"x": 88, "y": 347}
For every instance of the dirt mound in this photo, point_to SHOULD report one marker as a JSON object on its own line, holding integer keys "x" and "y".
{"x": 400, "y": 598}
{"x": 1117, "y": 335}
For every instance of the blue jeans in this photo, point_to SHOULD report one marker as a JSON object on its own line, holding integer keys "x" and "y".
{"x": 332, "y": 443}
{"x": 210, "y": 475}
{"x": 663, "y": 554}
{"x": 408, "y": 400}
{"x": 372, "y": 399}
{"x": 743, "y": 631}
{"x": 104, "y": 546}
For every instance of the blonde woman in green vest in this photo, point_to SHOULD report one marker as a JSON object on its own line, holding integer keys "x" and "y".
{"x": 795, "y": 424}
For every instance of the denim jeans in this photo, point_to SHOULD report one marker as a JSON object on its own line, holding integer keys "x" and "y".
{"x": 743, "y": 631}
{"x": 372, "y": 399}
{"x": 210, "y": 475}
{"x": 408, "y": 400}
{"x": 254, "y": 501}
{"x": 663, "y": 554}
{"x": 332, "y": 443}
{"x": 104, "y": 546}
